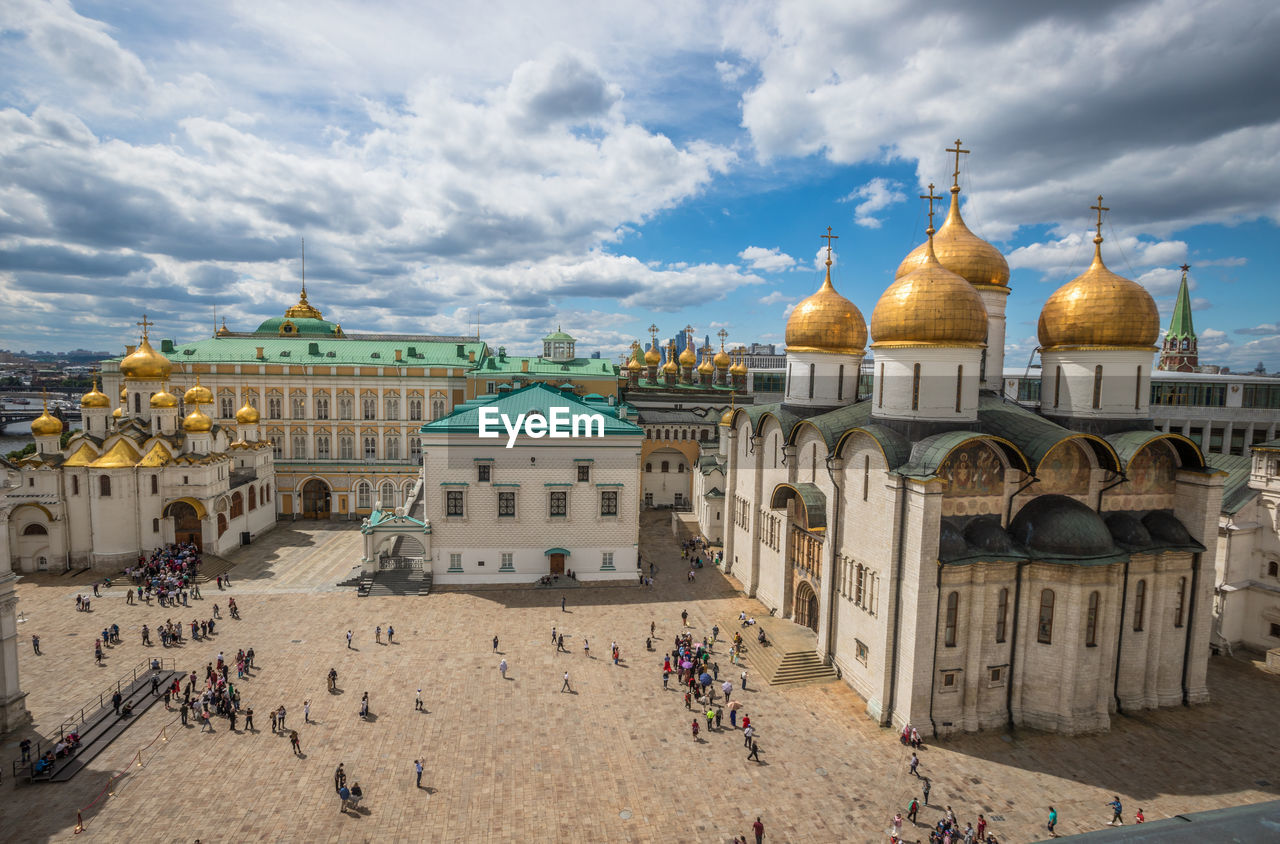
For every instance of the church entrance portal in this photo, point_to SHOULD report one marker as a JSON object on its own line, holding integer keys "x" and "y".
{"x": 316, "y": 499}
{"x": 806, "y": 610}
{"x": 186, "y": 525}
{"x": 557, "y": 563}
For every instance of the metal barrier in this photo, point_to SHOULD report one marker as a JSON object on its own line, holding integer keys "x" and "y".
{"x": 411, "y": 563}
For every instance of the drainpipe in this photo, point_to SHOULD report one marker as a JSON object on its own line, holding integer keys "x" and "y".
{"x": 1189, "y": 620}
{"x": 1120, "y": 478}
{"x": 1124, "y": 605}
{"x": 1008, "y": 513}
{"x": 1013, "y": 640}
{"x": 933, "y": 673}
{"x": 895, "y": 580}
{"x": 835, "y": 546}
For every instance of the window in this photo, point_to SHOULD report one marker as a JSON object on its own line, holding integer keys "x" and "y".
{"x": 75, "y": 489}
{"x": 866, "y": 476}
{"x": 648, "y": 467}
{"x": 226, "y": 406}
{"x": 666, "y": 466}
{"x": 948, "y": 680}
{"x": 953, "y": 613}
{"x": 507, "y": 563}
{"x": 1057, "y": 384}
{"x": 364, "y": 496}
{"x": 370, "y": 448}
{"x": 299, "y": 407}
{"x": 299, "y": 446}
{"x": 606, "y": 560}
{"x": 1002, "y": 614}
{"x": 1275, "y": 631}
{"x": 584, "y": 472}
{"x": 861, "y": 650}
{"x": 393, "y": 448}
{"x": 237, "y": 505}
{"x": 1091, "y": 622}
{"x": 104, "y": 486}
{"x": 273, "y": 408}
{"x": 344, "y": 407}
{"x": 680, "y": 468}
{"x": 253, "y": 498}
{"x": 648, "y": 499}
{"x": 155, "y": 484}
{"x": 915, "y": 387}
{"x": 959, "y": 386}
{"x": 387, "y": 495}
{"x": 155, "y": 525}
{"x": 1044, "y": 629}
{"x": 1273, "y": 569}
{"x": 415, "y": 449}
{"x": 609, "y": 503}
{"x": 1097, "y": 386}
{"x": 1139, "y": 604}
{"x": 322, "y": 446}
{"x": 559, "y": 503}
{"x": 507, "y": 504}
{"x": 393, "y": 408}
{"x": 346, "y": 448}
{"x": 997, "y": 674}
{"x": 455, "y": 562}
{"x": 1137, "y": 390}
{"x": 453, "y": 503}
{"x": 369, "y": 407}
{"x": 277, "y": 446}
{"x": 415, "y": 410}
{"x": 880, "y": 388}
{"x": 1178, "y": 605}
{"x": 811, "y": 367}
{"x": 322, "y": 407}
{"x": 840, "y": 383}
{"x": 437, "y": 408}
{"x": 482, "y": 472}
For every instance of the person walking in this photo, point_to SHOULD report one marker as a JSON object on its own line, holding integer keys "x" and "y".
{"x": 1116, "y": 809}
{"x": 391, "y": 635}
{"x": 914, "y": 809}
{"x": 711, "y": 717}
{"x": 115, "y": 701}
{"x": 231, "y": 716}
{"x": 926, "y": 788}
{"x": 742, "y": 678}
{"x": 1053, "y": 821}
{"x": 348, "y": 638}
{"x": 306, "y": 712}
{"x": 913, "y": 765}
{"x": 560, "y": 644}
{"x": 1139, "y": 818}
{"x": 35, "y": 644}
{"x": 495, "y": 644}
{"x": 275, "y": 714}
{"x": 282, "y": 727}
{"x": 695, "y": 729}
{"x": 562, "y": 609}
{"x": 417, "y": 767}
{"x": 586, "y": 648}
{"x": 566, "y": 687}
{"x": 758, "y": 829}
{"x": 666, "y": 677}
{"x": 417, "y": 702}
{"x": 982, "y": 827}
{"x": 248, "y": 719}
{"x": 182, "y": 710}
{"x": 727, "y": 688}
{"x": 553, "y": 634}
{"x": 339, "y": 777}
{"x": 684, "y": 618}
{"x": 755, "y": 752}
{"x": 502, "y": 668}
{"x": 344, "y": 794}
{"x": 377, "y": 634}
{"x": 897, "y": 825}
{"x": 293, "y": 739}
{"x": 747, "y": 733}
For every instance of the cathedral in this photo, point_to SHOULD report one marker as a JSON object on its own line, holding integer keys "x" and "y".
{"x": 964, "y": 562}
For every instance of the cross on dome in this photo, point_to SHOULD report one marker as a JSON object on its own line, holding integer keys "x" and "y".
{"x": 145, "y": 323}
{"x": 1099, "y": 208}
{"x": 930, "y": 196}
{"x": 829, "y": 237}
{"x": 955, "y": 176}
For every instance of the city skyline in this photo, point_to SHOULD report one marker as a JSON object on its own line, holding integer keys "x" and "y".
{"x": 674, "y": 165}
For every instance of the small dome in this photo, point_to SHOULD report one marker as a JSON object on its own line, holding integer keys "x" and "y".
{"x": 94, "y": 398}
{"x": 653, "y": 357}
{"x": 961, "y": 251}
{"x": 930, "y": 306}
{"x": 198, "y": 395}
{"x": 1099, "y": 308}
{"x": 722, "y": 359}
{"x": 687, "y": 357}
{"x": 145, "y": 364}
{"x": 826, "y": 322}
{"x": 1165, "y": 529}
{"x": 739, "y": 368}
{"x": 197, "y": 422}
{"x": 1058, "y": 526}
{"x": 726, "y": 418}
{"x": 986, "y": 534}
{"x": 45, "y": 425}
{"x": 248, "y": 414}
{"x": 118, "y": 413}
{"x": 124, "y": 393}
{"x": 670, "y": 365}
{"x": 164, "y": 398}
{"x": 1128, "y": 531}
{"x": 951, "y": 544}
{"x": 705, "y": 368}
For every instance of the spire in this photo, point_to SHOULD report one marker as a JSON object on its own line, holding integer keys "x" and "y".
{"x": 1180, "y": 325}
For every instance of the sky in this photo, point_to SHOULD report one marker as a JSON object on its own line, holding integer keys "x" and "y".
{"x": 604, "y": 167}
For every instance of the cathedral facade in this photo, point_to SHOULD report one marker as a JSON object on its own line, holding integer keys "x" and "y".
{"x": 968, "y": 563}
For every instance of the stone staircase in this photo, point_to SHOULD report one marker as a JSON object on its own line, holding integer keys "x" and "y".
{"x": 775, "y": 665}
{"x": 211, "y": 566}
{"x": 396, "y": 582}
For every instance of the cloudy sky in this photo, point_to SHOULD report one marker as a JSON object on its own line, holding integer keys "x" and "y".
{"x": 604, "y": 166}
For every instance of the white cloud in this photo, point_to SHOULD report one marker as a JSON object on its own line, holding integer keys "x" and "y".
{"x": 767, "y": 260}
{"x": 820, "y": 258}
{"x": 775, "y": 298}
{"x": 875, "y": 195}
{"x": 1235, "y": 261}
{"x": 1211, "y": 334}
{"x": 730, "y": 72}
{"x": 1064, "y": 257}
{"x": 1263, "y": 330}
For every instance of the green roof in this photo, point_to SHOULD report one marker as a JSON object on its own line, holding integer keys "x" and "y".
{"x": 465, "y": 418}
{"x": 813, "y": 499}
{"x": 1128, "y": 443}
{"x": 1035, "y": 435}
{"x": 510, "y": 365}
{"x": 558, "y": 335}
{"x": 1235, "y": 489}
{"x": 1180, "y": 324}
{"x": 302, "y": 326}
{"x": 1273, "y": 445}
{"x": 333, "y": 350}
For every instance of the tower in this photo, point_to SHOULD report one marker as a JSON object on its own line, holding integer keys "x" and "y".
{"x": 47, "y": 431}
{"x": 1179, "y": 353}
{"x": 164, "y": 413}
{"x": 145, "y": 370}
{"x": 688, "y": 359}
{"x": 95, "y": 411}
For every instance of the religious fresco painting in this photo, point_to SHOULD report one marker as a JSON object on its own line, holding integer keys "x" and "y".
{"x": 1152, "y": 480}
{"x": 975, "y": 481}
{"x": 1065, "y": 470}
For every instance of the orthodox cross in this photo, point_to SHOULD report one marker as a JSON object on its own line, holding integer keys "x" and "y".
{"x": 829, "y": 237}
{"x": 145, "y": 324}
{"x": 722, "y": 334}
{"x": 1099, "y": 208}
{"x": 688, "y": 335}
{"x": 955, "y": 176}
{"x": 930, "y": 196}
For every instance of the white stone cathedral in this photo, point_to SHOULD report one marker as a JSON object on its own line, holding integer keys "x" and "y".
{"x": 966, "y": 562}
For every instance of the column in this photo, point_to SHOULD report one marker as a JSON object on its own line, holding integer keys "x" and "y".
{"x": 13, "y": 708}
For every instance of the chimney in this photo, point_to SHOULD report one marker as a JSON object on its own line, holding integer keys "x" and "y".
{"x": 524, "y": 365}
{"x": 261, "y": 354}
{"x": 471, "y": 356}
{"x": 398, "y": 355}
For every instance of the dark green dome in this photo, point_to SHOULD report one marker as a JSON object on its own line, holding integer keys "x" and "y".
{"x": 986, "y": 534}
{"x": 299, "y": 327}
{"x": 1058, "y": 526}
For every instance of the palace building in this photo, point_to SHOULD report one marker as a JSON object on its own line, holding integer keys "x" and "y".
{"x": 967, "y": 562}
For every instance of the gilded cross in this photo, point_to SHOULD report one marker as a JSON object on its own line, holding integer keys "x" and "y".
{"x": 829, "y": 237}
{"x": 930, "y": 196}
{"x": 955, "y": 176}
{"x": 722, "y": 334}
{"x": 653, "y": 331}
{"x": 145, "y": 324}
{"x": 688, "y": 334}
{"x": 1099, "y": 208}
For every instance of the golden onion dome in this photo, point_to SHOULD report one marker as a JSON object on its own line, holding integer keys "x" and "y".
{"x": 304, "y": 309}
{"x": 94, "y": 398}
{"x": 118, "y": 413}
{"x": 740, "y": 368}
{"x": 929, "y": 306}
{"x": 124, "y": 393}
{"x": 248, "y": 414}
{"x": 726, "y": 418}
{"x": 722, "y": 359}
{"x": 705, "y": 368}
{"x": 198, "y": 394}
{"x": 146, "y": 364}
{"x": 197, "y": 422}
{"x": 45, "y": 425}
{"x": 687, "y": 357}
{"x": 826, "y": 322}
{"x": 670, "y": 366}
{"x": 653, "y": 357}
{"x": 164, "y": 398}
{"x": 1099, "y": 308}
{"x": 961, "y": 251}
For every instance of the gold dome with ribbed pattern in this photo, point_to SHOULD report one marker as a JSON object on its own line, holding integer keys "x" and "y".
{"x": 197, "y": 422}
{"x": 145, "y": 363}
{"x": 95, "y": 398}
{"x": 46, "y": 425}
{"x": 1099, "y": 308}
{"x": 198, "y": 394}
{"x": 826, "y": 322}
{"x": 164, "y": 398}
{"x": 961, "y": 251}
{"x": 929, "y": 306}
{"x": 248, "y": 414}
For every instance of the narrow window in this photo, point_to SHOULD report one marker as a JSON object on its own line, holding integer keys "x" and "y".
{"x": 666, "y": 466}
{"x": 811, "y": 368}
{"x": 75, "y": 488}
{"x": 1137, "y": 390}
{"x": 1139, "y": 604}
{"x": 1097, "y": 386}
{"x": 1044, "y": 629}
{"x": 1182, "y": 596}
{"x": 1057, "y": 384}
{"x": 155, "y": 484}
{"x": 959, "y": 385}
{"x": 104, "y": 487}
{"x": 1002, "y": 614}
{"x": 866, "y": 476}
{"x": 1091, "y": 622}
{"x": 880, "y": 388}
{"x": 482, "y": 472}
{"x": 953, "y": 612}
{"x": 155, "y": 525}
{"x": 840, "y": 384}
{"x": 137, "y": 403}
{"x": 915, "y": 387}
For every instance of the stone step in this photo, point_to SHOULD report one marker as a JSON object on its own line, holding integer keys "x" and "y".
{"x": 776, "y": 667}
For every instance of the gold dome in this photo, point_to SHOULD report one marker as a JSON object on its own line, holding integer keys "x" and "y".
{"x": 722, "y": 359}
{"x": 1099, "y": 308}
{"x": 198, "y": 394}
{"x": 825, "y": 322}
{"x": 164, "y": 398}
{"x": 653, "y": 356}
{"x": 687, "y": 357}
{"x": 45, "y": 425}
{"x": 248, "y": 414}
{"x": 118, "y": 413}
{"x": 671, "y": 366}
{"x": 124, "y": 393}
{"x": 94, "y": 398}
{"x": 146, "y": 364}
{"x": 197, "y": 422}
{"x": 706, "y": 368}
{"x": 726, "y": 418}
{"x": 961, "y": 251}
{"x": 304, "y": 309}
{"x": 740, "y": 368}
{"x": 929, "y": 306}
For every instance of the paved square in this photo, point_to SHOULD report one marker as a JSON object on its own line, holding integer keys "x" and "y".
{"x": 517, "y": 759}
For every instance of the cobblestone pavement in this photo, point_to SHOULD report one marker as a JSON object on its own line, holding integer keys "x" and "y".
{"x": 518, "y": 759}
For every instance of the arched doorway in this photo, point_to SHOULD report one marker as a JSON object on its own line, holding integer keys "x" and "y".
{"x": 806, "y": 608}
{"x": 186, "y": 525}
{"x": 316, "y": 499}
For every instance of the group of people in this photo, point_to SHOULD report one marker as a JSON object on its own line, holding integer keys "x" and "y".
{"x": 699, "y": 676}
{"x": 169, "y": 574}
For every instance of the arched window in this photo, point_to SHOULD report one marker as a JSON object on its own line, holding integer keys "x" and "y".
{"x": 1002, "y": 614}
{"x": 137, "y": 403}
{"x": 237, "y": 505}
{"x": 1186, "y": 344}
{"x": 322, "y": 407}
{"x": 387, "y": 495}
{"x": 915, "y": 387}
{"x": 35, "y": 530}
{"x": 1097, "y": 386}
{"x": 322, "y": 446}
{"x": 364, "y": 495}
{"x": 155, "y": 525}
{"x": 346, "y": 447}
{"x": 415, "y": 449}
{"x": 1044, "y": 628}
{"x": 953, "y": 614}
{"x": 253, "y": 498}
{"x": 1139, "y": 604}
{"x": 75, "y": 487}
{"x": 437, "y": 408}
{"x": 344, "y": 407}
{"x": 1091, "y": 621}
{"x": 666, "y": 466}
{"x": 1180, "y": 602}
{"x": 369, "y": 407}
{"x": 155, "y": 484}
{"x": 370, "y": 448}
{"x": 648, "y": 467}
{"x": 266, "y": 492}
{"x": 1273, "y": 569}
{"x": 393, "y": 448}
{"x": 415, "y": 410}
{"x": 680, "y": 468}
{"x": 222, "y": 524}
{"x": 104, "y": 486}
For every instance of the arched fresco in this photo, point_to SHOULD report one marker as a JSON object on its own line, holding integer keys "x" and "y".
{"x": 975, "y": 480}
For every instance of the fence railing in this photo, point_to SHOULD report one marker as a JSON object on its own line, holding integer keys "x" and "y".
{"x": 411, "y": 563}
